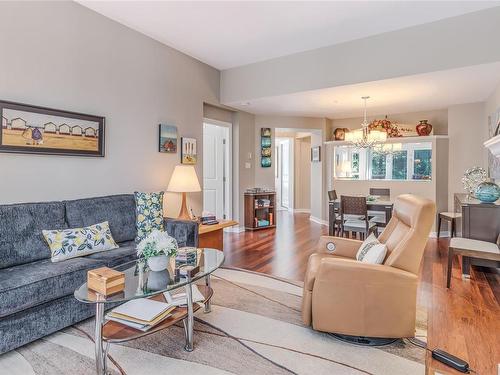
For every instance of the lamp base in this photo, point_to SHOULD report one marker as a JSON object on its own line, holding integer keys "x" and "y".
{"x": 184, "y": 213}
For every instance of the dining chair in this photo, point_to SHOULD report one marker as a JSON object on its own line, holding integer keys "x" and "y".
{"x": 378, "y": 217}
{"x": 337, "y": 227}
{"x": 357, "y": 221}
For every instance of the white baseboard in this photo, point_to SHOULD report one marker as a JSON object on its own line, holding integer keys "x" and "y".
{"x": 302, "y": 211}
{"x": 236, "y": 229}
{"x": 441, "y": 234}
{"x": 317, "y": 220}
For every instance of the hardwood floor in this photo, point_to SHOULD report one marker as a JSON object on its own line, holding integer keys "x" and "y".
{"x": 463, "y": 320}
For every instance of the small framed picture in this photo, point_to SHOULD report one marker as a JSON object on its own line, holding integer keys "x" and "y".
{"x": 188, "y": 150}
{"x": 316, "y": 154}
{"x": 167, "y": 138}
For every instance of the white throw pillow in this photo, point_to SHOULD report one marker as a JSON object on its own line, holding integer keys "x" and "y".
{"x": 71, "y": 243}
{"x": 372, "y": 251}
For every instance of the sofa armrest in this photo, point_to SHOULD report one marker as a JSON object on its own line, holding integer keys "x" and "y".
{"x": 184, "y": 231}
{"x": 344, "y": 247}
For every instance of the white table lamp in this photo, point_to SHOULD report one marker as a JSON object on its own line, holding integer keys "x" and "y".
{"x": 184, "y": 180}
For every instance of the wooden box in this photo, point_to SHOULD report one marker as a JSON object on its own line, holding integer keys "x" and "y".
{"x": 105, "y": 281}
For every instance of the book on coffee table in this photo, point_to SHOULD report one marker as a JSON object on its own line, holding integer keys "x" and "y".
{"x": 141, "y": 313}
{"x": 180, "y": 298}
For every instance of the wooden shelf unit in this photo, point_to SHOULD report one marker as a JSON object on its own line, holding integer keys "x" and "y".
{"x": 253, "y": 212}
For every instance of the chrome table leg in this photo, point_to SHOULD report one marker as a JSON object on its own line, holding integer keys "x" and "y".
{"x": 208, "y": 304}
{"x": 189, "y": 321}
{"x": 100, "y": 358}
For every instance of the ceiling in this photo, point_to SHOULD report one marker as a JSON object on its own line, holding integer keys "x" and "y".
{"x": 436, "y": 90}
{"x": 229, "y": 34}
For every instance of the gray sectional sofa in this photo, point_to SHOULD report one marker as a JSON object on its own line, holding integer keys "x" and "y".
{"x": 36, "y": 295}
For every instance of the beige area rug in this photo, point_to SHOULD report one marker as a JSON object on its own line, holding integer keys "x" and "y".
{"x": 255, "y": 327}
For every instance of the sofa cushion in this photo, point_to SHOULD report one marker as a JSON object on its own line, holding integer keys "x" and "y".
{"x": 28, "y": 285}
{"x": 21, "y": 225}
{"x": 112, "y": 258}
{"x": 118, "y": 210}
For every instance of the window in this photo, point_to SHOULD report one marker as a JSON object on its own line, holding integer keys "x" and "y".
{"x": 400, "y": 165}
{"x": 412, "y": 162}
{"x": 422, "y": 164}
{"x": 378, "y": 166}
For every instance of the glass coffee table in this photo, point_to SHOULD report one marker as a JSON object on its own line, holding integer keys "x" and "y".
{"x": 142, "y": 283}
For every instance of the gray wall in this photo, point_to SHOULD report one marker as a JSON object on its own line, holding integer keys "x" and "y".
{"x": 65, "y": 56}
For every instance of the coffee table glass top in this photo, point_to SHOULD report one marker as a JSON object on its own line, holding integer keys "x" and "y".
{"x": 141, "y": 282}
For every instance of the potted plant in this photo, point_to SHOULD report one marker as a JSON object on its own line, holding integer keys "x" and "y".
{"x": 156, "y": 249}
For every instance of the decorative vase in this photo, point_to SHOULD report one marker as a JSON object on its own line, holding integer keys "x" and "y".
{"x": 487, "y": 192}
{"x": 424, "y": 128}
{"x": 158, "y": 263}
{"x": 158, "y": 280}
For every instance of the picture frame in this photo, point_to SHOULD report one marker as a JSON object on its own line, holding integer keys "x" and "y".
{"x": 30, "y": 129}
{"x": 316, "y": 154}
{"x": 188, "y": 150}
{"x": 167, "y": 138}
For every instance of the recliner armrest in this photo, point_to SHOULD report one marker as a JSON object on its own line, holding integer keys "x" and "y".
{"x": 341, "y": 270}
{"x": 344, "y": 247}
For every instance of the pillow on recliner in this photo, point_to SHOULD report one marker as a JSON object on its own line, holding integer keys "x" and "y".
{"x": 372, "y": 251}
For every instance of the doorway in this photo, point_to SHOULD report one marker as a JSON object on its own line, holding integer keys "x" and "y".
{"x": 284, "y": 173}
{"x": 217, "y": 167}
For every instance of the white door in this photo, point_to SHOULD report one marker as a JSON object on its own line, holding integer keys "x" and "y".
{"x": 215, "y": 162}
{"x": 285, "y": 173}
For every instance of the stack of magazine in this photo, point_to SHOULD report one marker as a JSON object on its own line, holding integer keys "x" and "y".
{"x": 186, "y": 256}
{"x": 142, "y": 314}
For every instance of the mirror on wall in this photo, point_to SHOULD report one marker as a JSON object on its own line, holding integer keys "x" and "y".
{"x": 403, "y": 162}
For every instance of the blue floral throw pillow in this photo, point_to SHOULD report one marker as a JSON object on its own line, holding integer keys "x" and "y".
{"x": 71, "y": 243}
{"x": 149, "y": 213}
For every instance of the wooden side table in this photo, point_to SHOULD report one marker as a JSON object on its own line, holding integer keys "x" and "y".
{"x": 470, "y": 248}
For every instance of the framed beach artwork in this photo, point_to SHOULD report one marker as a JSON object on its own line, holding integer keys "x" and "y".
{"x": 31, "y": 129}
{"x": 167, "y": 138}
{"x": 188, "y": 150}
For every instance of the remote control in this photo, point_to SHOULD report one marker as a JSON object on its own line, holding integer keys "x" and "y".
{"x": 450, "y": 360}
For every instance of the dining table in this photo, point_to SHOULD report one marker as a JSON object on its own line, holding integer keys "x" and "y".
{"x": 377, "y": 204}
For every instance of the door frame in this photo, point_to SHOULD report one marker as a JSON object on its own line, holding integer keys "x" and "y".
{"x": 228, "y": 165}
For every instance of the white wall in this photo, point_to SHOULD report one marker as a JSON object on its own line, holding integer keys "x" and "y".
{"x": 62, "y": 55}
{"x": 303, "y": 173}
{"x": 467, "y": 132}
{"x": 435, "y": 46}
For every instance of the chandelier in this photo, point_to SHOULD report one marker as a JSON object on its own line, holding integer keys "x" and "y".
{"x": 364, "y": 137}
{"x": 387, "y": 148}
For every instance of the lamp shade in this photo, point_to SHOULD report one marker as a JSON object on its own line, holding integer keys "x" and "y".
{"x": 184, "y": 180}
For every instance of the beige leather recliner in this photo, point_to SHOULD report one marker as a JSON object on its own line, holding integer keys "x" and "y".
{"x": 344, "y": 296}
